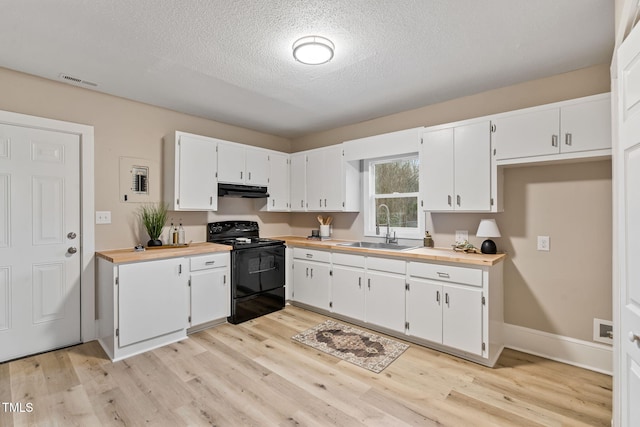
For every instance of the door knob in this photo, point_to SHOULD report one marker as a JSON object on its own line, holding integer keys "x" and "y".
{"x": 72, "y": 250}
{"x": 633, "y": 337}
{"x": 71, "y": 235}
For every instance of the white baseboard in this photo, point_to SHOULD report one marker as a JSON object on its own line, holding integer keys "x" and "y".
{"x": 584, "y": 354}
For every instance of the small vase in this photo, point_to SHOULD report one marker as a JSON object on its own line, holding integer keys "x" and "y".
{"x": 154, "y": 242}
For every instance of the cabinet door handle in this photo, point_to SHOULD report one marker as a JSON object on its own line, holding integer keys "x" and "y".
{"x": 325, "y": 203}
{"x": 446, "y": 298}
{"x": 179, "y": 269}
{"x": 567, "y": 139}
{"x": 438, "y": 297}
{"x": 458, "y": 199}
{"x": 369, "y": 283}
{"x": 445, "y": 275}
{"x": 240, "y": 174}
{"x": 210, "y": 200}
{"x": 209, "y": 263}
{"x": 273, "y": 202}
{"x": 307, "y": 272}
{"x": 359, "y": 282}
{"x": 302, "y": 203}
{"x": 249, "y": 176}
{"x": 449, "y": 199}
{"x": 320, "y": 202}
{"x": 554, "y": 140}
{"x": 312, "y": 273}
{"x": 309, "y": 255}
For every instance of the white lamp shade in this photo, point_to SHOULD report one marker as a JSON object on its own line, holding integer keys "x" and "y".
{"x": 488, "y": 228}
{"x": 313, "y": 50}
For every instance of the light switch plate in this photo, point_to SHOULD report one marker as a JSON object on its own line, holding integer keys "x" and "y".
{"x": 103, "y": 217}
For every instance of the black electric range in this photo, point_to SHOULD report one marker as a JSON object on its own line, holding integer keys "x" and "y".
{"x": 257, "y": 269}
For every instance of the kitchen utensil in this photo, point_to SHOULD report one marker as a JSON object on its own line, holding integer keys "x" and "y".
{"x": 328, "y": 220}
{"x": 320, "y": 219}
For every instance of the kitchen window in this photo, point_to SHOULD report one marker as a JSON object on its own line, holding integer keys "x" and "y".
{"x": 393, "y": 183}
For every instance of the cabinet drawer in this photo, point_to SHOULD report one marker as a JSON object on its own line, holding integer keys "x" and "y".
{"x": 446, "y": 273}
{"x": 387, "y": 265}
{"x": 311, "y": 255}
{"x": 349, "y": 260}
{"x": 204, "y": 262}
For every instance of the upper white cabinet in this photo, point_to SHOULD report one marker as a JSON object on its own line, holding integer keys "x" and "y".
{"x": 298, "y": 182}
{"x": 455, "y": 165}
{"x": 278, "y": 182}
{"x": 190, "y": 163}
{"x": 562, "y": 129}
{"x": 239, "y": 164}
{"x": 332, "y": 184}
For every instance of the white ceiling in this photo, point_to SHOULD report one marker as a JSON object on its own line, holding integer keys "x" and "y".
{"x": 231, "y": 60}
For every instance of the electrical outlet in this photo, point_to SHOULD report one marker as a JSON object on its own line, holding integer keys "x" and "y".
{"x": 103, "y": 217}
{"x": 462, "y": 235}
{"x": 543, "y": 243}
{"x": 603, "y": 331}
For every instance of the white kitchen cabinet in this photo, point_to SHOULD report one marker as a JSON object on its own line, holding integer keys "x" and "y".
{"x": 348, "y": 285}
{"x": 384, "y": 300}
{"x": 278, "y": 182}
{"x": 446, "y": 314}
{"x": 456, "y": 168}
{"x": 209, "y": 288}
{"x": 311, "y": 277}
{"x": 332, "y": 184}
{"x": 190, "y": 163}
{"x": 141, "y": 305}
{"x": 561, "y": 129}
{"x": 240, "y": 164}
{"x": 298, "y": 182}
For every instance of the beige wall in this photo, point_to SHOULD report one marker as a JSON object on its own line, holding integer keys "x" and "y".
{"x": 552, "y": 292}
{"x": 126, "y": 128}
{"x": 561, "y": 291}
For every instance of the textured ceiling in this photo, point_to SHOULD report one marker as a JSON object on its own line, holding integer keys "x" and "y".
{"x": 231, "y": 61}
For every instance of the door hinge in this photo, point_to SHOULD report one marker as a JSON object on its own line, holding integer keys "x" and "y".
{"x": 117, "y": 332}
{"x": 493, "y": 127}
{"x": 406, "y": 325}
{"x": 117, "y": 281}
{"x": 407, "y": 287}
{"x": 484, "y": 302}
{"x": 178, "y": 202}
{"x": 484, "y": 346}
{"x": 491, "y": 201}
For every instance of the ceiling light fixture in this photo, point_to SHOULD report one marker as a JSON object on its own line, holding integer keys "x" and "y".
{"x": 313, "y": 50}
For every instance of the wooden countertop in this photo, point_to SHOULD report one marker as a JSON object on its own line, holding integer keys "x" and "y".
{"x": 121, "y": 256}
{"x": 418, "y": 254}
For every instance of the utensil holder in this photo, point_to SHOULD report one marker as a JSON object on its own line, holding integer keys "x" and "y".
{"x": 325, "y": 230}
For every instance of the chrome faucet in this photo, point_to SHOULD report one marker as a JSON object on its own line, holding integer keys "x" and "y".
{"x": 387, "y": 237}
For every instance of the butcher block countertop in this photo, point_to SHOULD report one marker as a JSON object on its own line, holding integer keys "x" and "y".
{"x": 418, "y": 254}
{"x": 121, "y": 256}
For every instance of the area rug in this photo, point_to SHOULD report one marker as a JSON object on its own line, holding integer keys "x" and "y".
{"x": 364, "y": 349}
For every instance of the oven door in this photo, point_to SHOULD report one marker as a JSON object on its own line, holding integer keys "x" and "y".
{"x": 257, "y": 270}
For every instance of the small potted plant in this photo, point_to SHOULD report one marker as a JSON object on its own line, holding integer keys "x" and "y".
{"x": 153, "y": 217}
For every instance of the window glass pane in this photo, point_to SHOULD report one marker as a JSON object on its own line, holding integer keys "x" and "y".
{"x": 399, "y": 176}
{"x": 402, "y": 210}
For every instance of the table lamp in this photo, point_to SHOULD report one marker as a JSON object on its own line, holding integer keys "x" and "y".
{"x": 488, "y": 228}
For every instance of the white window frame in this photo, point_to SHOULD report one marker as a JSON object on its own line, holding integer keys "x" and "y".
{"x": 368, "y": 204}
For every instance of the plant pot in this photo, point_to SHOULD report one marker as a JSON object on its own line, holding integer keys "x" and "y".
{"x": 154, "y": 242}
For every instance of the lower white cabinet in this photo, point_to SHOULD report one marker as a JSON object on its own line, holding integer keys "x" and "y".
{"x": 311, "y": 277}
{"x": 147, "y": 304}
{"x": 455, "y": 308}
{"x": 209, "y": 288}
{"x": 445, "y": 314}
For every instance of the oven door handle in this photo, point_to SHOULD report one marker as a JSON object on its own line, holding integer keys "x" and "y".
{"x": 263, "y": 271}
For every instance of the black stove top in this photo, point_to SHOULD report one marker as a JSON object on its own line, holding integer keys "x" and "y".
{"x": 239, "y": 234}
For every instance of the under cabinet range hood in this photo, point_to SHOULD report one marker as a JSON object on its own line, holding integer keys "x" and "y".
{"x": 239, "y": 190}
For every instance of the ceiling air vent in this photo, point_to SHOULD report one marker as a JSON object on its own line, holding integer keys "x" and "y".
{"x": 71, "y": 79}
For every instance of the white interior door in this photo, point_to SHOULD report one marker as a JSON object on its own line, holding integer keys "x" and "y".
{"x": 627, "y": 187}
{"x": 39, "y": 240}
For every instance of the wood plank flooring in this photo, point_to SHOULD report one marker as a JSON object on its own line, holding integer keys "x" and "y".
{"x": 253, "y": 374}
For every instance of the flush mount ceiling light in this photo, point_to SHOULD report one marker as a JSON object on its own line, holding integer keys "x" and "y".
{"x": 313, "y": 50}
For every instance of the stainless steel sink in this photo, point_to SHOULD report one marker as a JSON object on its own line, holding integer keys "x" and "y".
{"x": 377, "y": 245}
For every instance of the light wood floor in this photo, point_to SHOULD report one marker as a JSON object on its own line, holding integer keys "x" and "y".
{"x": 254, "y": 374}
